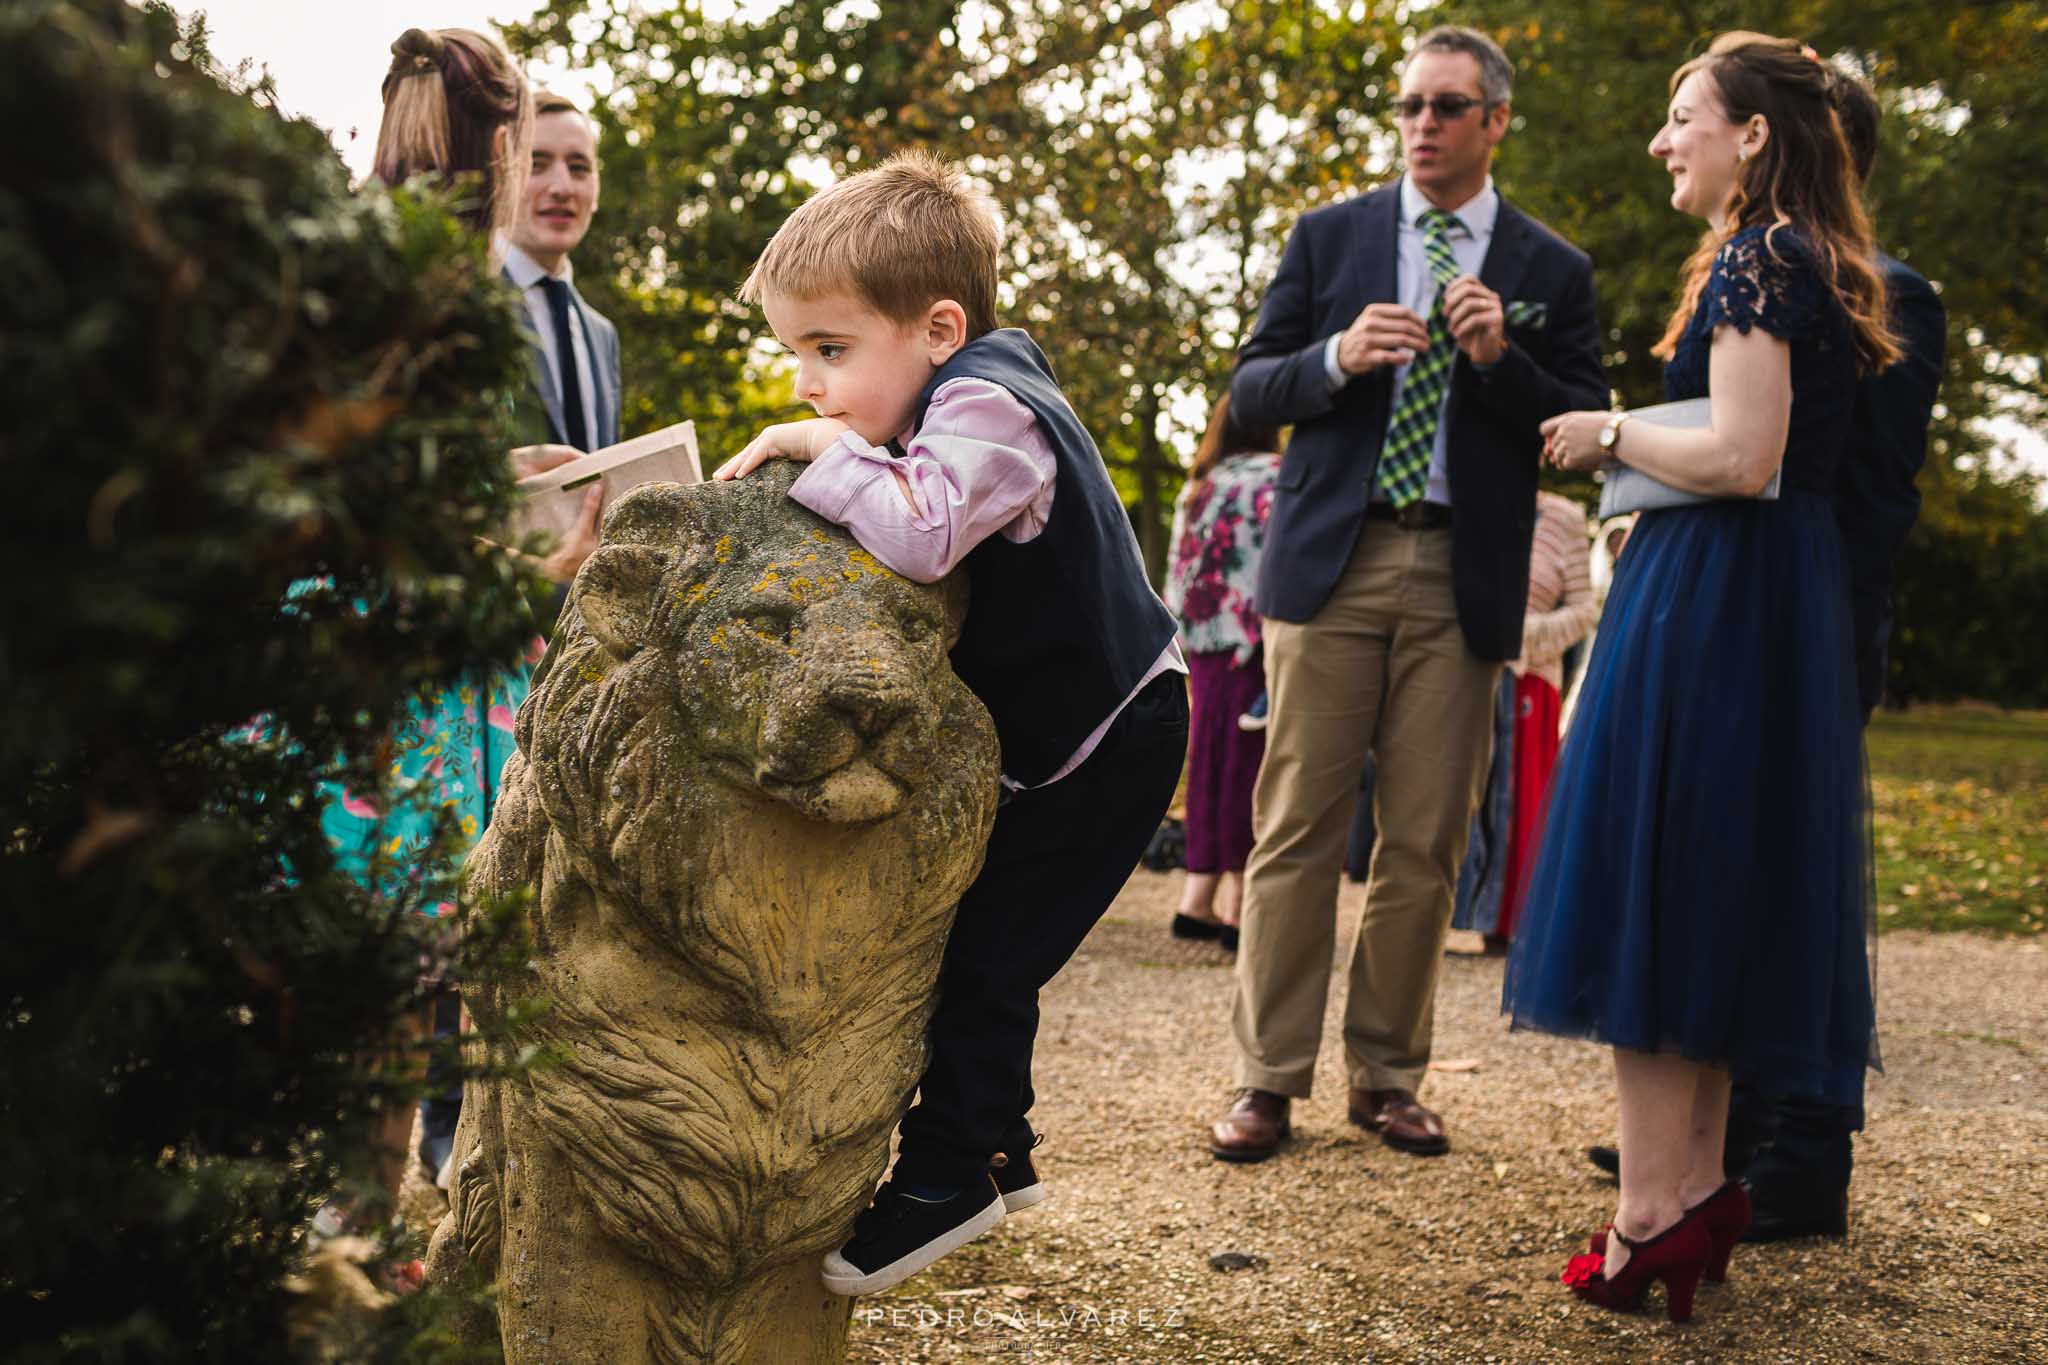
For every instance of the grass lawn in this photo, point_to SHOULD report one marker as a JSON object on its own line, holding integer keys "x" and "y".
{"x": 1962, "y": 819}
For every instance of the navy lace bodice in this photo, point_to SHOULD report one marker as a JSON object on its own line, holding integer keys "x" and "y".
{"x": 1768, "y": 278}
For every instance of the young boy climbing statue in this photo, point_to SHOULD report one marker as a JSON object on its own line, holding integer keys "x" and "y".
{"x": 943, "y": 440}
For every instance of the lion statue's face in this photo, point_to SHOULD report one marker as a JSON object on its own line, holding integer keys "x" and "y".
{"x": 800, "y": 666}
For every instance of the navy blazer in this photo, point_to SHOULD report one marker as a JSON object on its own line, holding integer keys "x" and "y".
{"x": 1339, "y": 259}
{"x": 601, "y": 339}
{"x": 1875, "y": 500}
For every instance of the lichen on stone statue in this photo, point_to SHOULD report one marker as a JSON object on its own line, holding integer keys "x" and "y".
{"x": 748, "y": 795}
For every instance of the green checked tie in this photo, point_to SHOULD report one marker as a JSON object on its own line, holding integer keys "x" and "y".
{"x": 1404, "y": 462}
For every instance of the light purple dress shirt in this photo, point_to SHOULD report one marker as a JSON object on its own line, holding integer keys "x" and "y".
{"x": 978, "y": 466}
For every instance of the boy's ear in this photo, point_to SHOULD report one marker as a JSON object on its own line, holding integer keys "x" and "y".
{"x": 945, "y": 330}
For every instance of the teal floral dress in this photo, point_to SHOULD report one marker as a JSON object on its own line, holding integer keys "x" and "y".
{"x": 446, "y": 755}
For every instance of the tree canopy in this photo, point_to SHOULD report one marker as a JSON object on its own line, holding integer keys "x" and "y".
{"x": 1151, "y": 157}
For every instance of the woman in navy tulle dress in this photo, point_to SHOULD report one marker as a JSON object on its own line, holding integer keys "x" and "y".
{"x": 1699, "y": 900}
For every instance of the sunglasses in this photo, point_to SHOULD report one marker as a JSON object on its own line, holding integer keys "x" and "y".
{"x": 1447, "y": 108}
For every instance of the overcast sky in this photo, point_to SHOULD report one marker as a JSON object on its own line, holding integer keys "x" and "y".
{"x": 329, "y": 58}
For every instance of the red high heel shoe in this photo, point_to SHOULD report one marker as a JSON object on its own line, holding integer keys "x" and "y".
{"x": 1725, "y": 1213}
{"x": 1677, "y": 1256}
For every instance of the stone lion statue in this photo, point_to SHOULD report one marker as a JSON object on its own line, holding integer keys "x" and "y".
{"x": 748, "y": 795}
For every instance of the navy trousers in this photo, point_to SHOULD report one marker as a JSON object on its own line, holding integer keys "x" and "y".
{"x": 1791, "y": 1149}
{"x": 1056, "y": 859}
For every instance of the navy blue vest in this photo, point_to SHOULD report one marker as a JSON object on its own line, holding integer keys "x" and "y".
{"x": 1060, "y": 628}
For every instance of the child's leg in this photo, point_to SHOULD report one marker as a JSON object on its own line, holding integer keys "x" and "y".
{"x": 1056, "y": 860}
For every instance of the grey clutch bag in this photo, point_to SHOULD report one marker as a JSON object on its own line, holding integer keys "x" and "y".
{"x": 1626, "y": 490}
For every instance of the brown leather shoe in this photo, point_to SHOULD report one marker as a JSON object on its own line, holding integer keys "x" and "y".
{"x": 1252, "y": 1129}
{"x": 1401, "y": 1122}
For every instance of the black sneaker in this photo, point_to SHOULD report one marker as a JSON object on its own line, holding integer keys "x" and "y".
{"x": 1017, "y": 1179}
{"x": 899, "y": 1235}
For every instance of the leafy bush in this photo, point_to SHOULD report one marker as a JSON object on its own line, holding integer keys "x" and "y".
{"x": 1972, "y": 616}
{"x": 227, "y": 376}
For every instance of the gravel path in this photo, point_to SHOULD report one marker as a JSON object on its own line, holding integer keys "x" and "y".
{"x": 1363, "y": 1254}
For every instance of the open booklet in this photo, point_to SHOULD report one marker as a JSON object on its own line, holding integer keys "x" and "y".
{"x": 555, "y": 499}
{"x": 1627, "y": 490}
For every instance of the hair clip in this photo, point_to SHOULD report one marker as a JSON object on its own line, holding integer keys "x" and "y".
{"x": 1809, "y": 54}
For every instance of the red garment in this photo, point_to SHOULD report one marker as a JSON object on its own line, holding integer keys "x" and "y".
{"x": 1536, "y": 708}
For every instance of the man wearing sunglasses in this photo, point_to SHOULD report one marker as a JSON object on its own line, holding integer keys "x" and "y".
{"x": 1414, "y": 338}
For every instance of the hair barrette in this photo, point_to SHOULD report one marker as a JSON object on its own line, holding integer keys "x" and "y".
{"x": 1809, "y": 54}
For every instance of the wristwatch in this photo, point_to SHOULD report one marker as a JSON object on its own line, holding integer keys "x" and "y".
{"x": 1611, "y": 433}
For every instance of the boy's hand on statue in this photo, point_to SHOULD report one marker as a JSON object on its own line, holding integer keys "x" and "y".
{"x": 805, "y": 440}
{"x": 1384, "y": 334}
{"x": 528, "y": 461}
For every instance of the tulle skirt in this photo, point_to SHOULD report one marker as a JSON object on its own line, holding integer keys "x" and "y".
{"x": 1703, "y": 885}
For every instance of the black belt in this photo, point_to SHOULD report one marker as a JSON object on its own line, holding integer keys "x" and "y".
{"x": 1416, "y": 516}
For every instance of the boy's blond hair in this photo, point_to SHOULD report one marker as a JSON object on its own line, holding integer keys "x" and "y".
{"x": 901, "y": 236}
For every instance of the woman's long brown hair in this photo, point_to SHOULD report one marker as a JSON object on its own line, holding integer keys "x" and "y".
{"x": 446, "y": 96}
{"x": 1803, "y": 179}
{"x": 1225, "y": 437}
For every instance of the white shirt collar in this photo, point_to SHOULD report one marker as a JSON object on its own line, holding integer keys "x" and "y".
{"x": 1477, "y": 213}
{"x": 525, "y": 271}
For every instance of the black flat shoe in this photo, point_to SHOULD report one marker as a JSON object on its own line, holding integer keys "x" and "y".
{"x": 900, "y": 1235}
{"x": 1187, "y": 926}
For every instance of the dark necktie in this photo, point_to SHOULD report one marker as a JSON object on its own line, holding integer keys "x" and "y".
{"x": 1411, "y": 436}
{"x": 574, "y": 428}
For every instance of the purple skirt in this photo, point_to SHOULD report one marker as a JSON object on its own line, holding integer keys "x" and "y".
{"x": 1223, "y": 761}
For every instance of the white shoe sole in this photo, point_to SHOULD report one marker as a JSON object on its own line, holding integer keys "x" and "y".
{"x": 842, "y": 1276}
{"x": 1030, "y": 1197}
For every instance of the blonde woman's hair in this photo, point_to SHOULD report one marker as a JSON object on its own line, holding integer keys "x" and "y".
{"x": 448, "y": 94}
{"x": 900, "y": 237}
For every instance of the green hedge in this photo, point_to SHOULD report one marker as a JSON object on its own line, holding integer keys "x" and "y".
{"x": 1972, "y": 617}
{"x": 224, "y": 373}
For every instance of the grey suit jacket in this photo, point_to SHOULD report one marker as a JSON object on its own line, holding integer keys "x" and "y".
{"x": 601, "y": 339}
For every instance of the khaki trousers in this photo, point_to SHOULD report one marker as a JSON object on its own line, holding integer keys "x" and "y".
{"x": 1382, "y": 669}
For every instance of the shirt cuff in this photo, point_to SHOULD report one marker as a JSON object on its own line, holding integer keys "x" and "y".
{"x": 829, "y": 482}
{"x": 1335, "y": 372}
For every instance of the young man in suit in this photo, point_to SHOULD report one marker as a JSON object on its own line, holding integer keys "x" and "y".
{"x": 1795, "y": 1152}
{"x": 1414, "y": 338}
{"x": 571, "y": 340}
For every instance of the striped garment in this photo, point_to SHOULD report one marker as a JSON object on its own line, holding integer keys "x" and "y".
{"x": 1561, "y": 609}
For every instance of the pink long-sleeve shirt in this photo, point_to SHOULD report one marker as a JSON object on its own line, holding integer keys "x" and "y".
{"x": 977, "y": 466}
